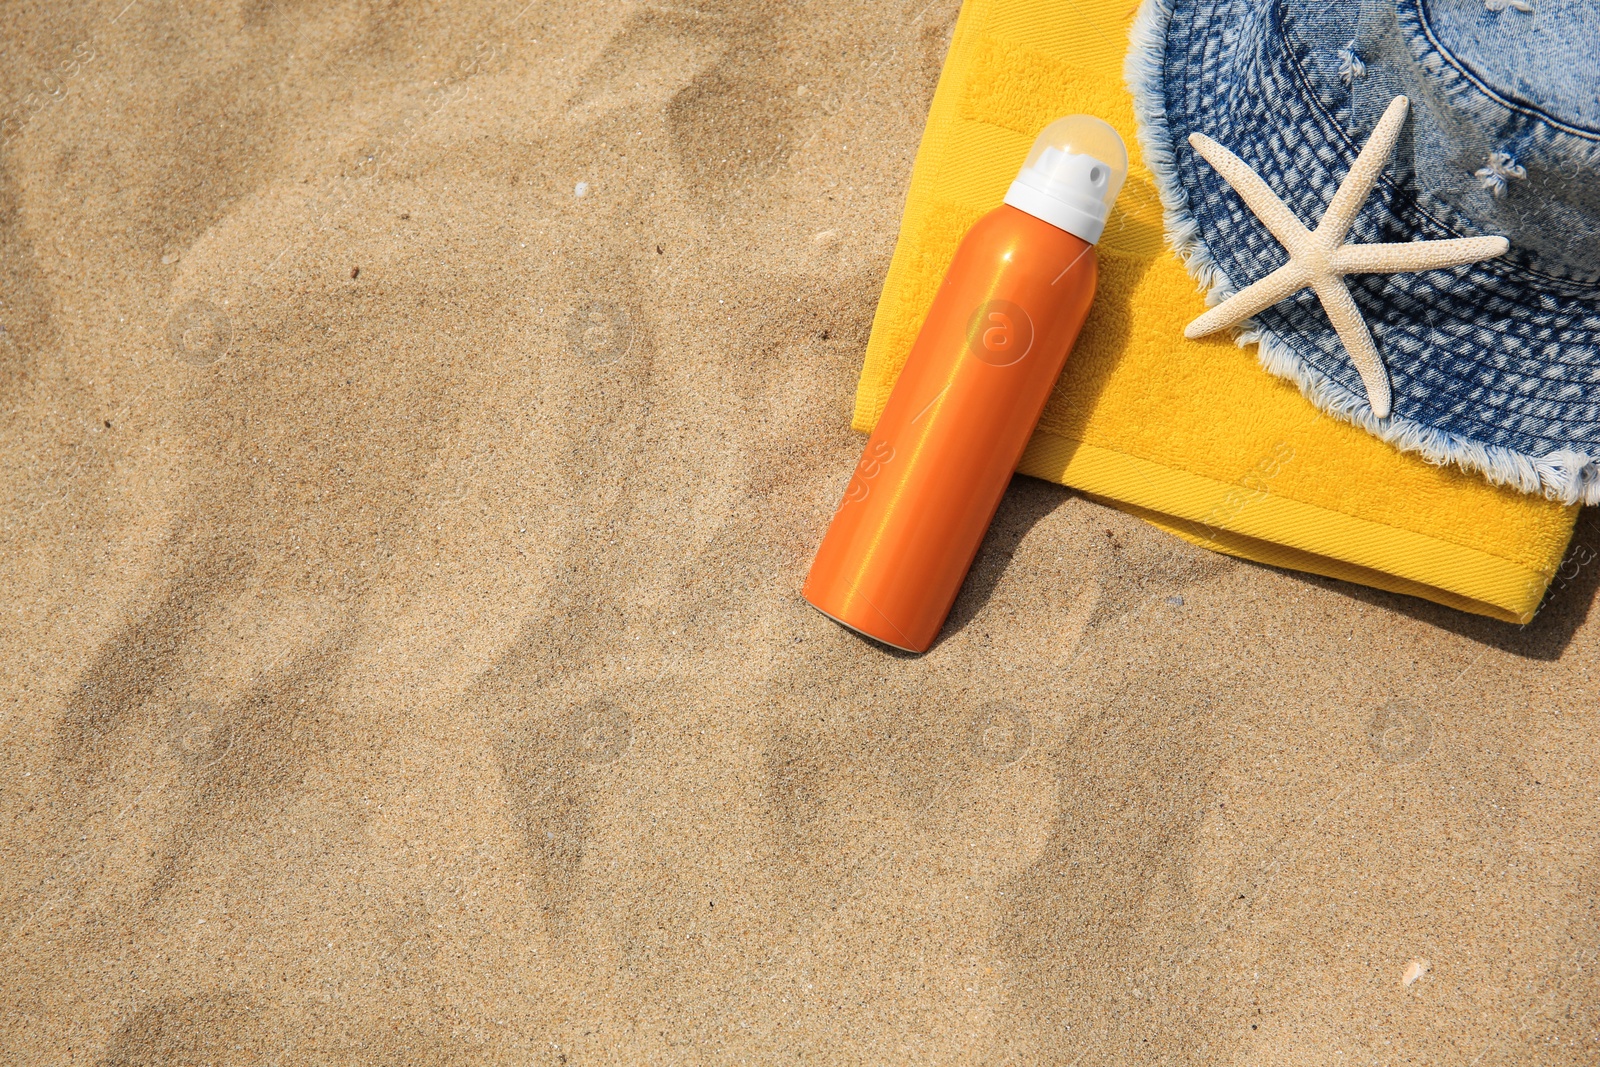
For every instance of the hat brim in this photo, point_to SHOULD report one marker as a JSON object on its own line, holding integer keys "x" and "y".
{"x": 1493, "y": 366}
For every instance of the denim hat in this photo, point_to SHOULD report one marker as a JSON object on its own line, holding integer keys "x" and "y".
{"x": 1495, "y": 365}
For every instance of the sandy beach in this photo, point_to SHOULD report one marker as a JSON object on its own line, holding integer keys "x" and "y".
{"x": 418, "y": 422}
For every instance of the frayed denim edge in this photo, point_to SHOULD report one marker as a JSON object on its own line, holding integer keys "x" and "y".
{"x": 1143, "y": 71}
{"x": 1566, "y": 476}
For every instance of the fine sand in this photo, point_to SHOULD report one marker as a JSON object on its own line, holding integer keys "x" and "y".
{"x": 403, "y": 656}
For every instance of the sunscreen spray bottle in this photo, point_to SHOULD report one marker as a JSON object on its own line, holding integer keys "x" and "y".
{"x": 971, "y": 393}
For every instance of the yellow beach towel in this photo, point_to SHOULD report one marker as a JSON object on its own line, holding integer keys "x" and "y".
{"x": 1193, "y": 436}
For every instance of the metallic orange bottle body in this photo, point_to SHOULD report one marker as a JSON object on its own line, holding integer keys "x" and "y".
{"x": 955, "y": 426}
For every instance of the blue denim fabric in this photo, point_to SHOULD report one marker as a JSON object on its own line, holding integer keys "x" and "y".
{"x": 1495, "y": 365}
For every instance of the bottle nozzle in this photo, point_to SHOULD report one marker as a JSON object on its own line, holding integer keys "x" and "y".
{"x": 1072, "y": 176}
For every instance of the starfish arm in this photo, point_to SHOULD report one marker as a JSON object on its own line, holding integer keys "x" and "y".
{"x": 1352, "y": 329}
{"x": 1363, "y": 175}
{"x": 1257, "y": 296}
{"x": 1273, "y": 212}
{"x": 1416, "y": 255}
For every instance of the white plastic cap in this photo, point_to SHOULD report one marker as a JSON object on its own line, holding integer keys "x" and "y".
{"x": 1072, "y": 176}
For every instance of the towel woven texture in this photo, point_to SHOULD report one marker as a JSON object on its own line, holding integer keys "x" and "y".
{"x": 1192, "y": 436}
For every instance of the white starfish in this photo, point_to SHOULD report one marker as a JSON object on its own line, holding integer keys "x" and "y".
{"x": 1319, "y": 258}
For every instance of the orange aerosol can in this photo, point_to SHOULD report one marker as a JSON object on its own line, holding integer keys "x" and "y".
{"x": 973, "y": 388}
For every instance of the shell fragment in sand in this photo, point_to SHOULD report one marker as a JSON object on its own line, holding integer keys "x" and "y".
{"x": 1415, "y": 970}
